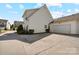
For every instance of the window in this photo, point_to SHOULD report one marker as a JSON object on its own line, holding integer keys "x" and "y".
{"x": 45, "y": 26}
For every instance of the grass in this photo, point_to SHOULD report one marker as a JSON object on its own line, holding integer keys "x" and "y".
{"x": 2, "y": 31}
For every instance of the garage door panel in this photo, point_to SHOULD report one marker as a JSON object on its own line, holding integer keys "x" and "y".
{"x": 62, "y": 28}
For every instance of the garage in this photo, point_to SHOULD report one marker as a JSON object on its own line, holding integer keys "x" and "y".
{"x": 62, "y": 28}
{"x": 67, "y": 25}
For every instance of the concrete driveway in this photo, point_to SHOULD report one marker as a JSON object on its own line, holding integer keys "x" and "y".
{"x": 44, "y": 44}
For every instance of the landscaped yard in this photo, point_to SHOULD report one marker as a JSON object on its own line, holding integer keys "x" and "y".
{"x": 3, "y": 31}
{"x": 12, "y": 43}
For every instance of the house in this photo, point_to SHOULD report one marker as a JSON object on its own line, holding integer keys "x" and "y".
{"x": 37, "y": 19}
{"x": 17, "y": 23}
{"x": 4, "y": 24}
{"x": 8, "y": 25}
{"x": 66, "y": 25}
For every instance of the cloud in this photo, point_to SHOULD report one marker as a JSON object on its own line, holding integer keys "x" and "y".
{"x": 20, "y": 19}
{"x": 57, "y": 14}
{"x": 21, "y": 6}
{"x": 69, "y": 10}
{"x": 76, "y": 3}
{"x": 8, "y": 6}
{"x": 13, "y": 12}
{"x": 38, "y": 5}
{"x": 1, "y": 17}
{"x": 73, "y": 11}
{"x": 54, "y": 4}
{"x": 76, "y": 10}
{"x": 48, "y": 4}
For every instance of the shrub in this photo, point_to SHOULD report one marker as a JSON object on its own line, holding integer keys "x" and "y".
{"x": 26, "y": 32}
{"x": 5, "y": 28}
{"x": 47, "y": 30}
{"x": 0, "y": 30}
{"x": 31, "y": 31}
{"x": 20, "y": 30}
{"x": 13, "y": 28}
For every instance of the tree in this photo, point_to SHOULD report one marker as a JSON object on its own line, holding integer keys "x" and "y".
{"x": 12, "y": 27}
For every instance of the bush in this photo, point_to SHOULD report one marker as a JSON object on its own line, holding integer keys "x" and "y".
{"x": 31, "y": 31}
{"x": 20, "y": 30}
{"x": 0, "y": 30}
{"x": 26, "y": 32}
{"x": 5, "y": 28}
{"x": 13, "y": 28}
{"x": 47, "y": 30}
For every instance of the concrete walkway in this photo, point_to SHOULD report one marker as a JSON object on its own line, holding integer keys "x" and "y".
{"x": 11, "y": 43}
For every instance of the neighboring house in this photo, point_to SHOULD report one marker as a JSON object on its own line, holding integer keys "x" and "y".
{"x": 8, "y": 25}
{"x": 37, "y": 19}
{"x": 17, "y": 23}
{"x": 67, "y": 24}
{"x": 4, "y": 24}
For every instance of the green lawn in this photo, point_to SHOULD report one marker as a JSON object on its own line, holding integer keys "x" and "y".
{"x": 2, "y": 31}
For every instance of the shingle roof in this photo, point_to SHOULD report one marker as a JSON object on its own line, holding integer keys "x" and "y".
{"x": 3, "y": 20}
{"x": 30, "y": 12}
{"x": 65, "y": 18}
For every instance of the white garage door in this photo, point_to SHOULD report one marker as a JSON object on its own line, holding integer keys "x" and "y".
{"x": 66, "y": 28}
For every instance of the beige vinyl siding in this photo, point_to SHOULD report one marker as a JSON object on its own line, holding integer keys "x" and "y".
{"x": 78, "y": 26}
{"x": 69, "y": 27}
{"x": 38, "y": 20}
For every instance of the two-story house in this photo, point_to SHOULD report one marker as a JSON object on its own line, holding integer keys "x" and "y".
{"x": 37, "y": 19}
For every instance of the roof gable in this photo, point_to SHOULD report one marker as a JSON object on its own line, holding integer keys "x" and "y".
{"x": 30, "y": 12}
